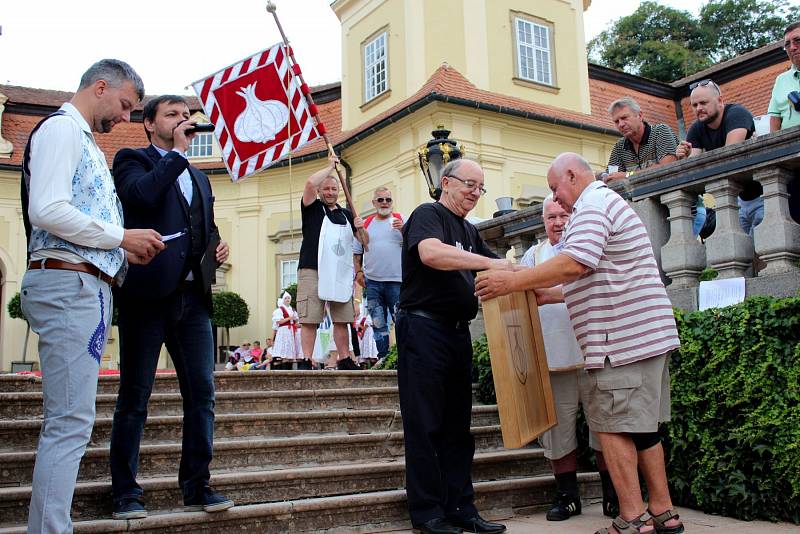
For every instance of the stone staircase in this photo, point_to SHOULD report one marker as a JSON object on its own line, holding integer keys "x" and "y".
{"x": 298, "y": 451}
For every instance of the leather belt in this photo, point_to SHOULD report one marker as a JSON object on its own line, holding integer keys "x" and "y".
{"x": 59, "y": 265}
{"x": 458, "y": 325}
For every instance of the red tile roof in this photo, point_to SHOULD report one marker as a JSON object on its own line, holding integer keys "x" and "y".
{"x": 51, "y": 98}
{"x": 656, "y": 109}
{"x": 446, "y": 84}
{"x": 753, "y": 91}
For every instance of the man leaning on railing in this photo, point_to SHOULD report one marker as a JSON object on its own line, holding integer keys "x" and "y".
{"x": 719, "y": 124}
{"x": 784, "y": 106}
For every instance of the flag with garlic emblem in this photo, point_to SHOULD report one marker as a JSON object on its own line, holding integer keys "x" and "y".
{"x": 260, "y": 111}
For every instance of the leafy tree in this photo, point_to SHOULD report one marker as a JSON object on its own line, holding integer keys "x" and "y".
{"x": 655, "y": 41}
{"x": 734, "y": 27}
{"x": 15, "y": 312}
{"x": 663, "y": 43}
{"x": 230, "y": 311}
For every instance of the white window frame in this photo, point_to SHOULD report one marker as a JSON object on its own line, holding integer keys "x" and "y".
{"x": 534, "y": 51}
{"x": 376, "y": 66}
{"x": 202, "y": 146}
{"x": 288, "y": 273}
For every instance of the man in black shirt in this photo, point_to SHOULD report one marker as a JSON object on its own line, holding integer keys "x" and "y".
{"x": 324, "y": 221}
{"x": 718, "y": 125}
{"x": 441, "y": 253}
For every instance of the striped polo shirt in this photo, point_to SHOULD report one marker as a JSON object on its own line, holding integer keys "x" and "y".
{"x": 619, "y": 309}
{"x": 658, "y": 141}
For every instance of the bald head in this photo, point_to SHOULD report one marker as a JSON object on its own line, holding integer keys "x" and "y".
{"x": 567, "y": 177}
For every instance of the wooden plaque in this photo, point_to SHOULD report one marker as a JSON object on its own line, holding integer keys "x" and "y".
{"x": 519, "y": 366}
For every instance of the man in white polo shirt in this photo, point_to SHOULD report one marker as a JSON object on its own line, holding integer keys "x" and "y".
{"x": 623, "y": 322}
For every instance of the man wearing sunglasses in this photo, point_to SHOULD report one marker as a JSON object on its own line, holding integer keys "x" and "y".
{"x": 719, "y": 124}
{"x": 378, "y": 270}
{"x": 441, "y": 253}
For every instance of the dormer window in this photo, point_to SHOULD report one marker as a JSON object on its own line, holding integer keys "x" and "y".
{"x": 376, "y": 81}
{"x": 534, "y": 50}
{"x": 202, "y": 146}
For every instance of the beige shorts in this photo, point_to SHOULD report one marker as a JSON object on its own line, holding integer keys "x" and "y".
{"x": 310, "y": 309}
{"x": 629, "y": 398}
{"x": 569, "y": 391}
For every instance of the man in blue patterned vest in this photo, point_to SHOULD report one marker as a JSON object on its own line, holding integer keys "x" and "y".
{"x": 77, "y": 247}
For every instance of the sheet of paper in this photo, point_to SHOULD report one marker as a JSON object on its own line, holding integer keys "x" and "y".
{"x": 170, "y": 237}
{"x": 721, "y": 293}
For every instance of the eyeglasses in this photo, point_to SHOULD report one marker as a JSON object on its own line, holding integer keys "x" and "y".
{"x": 471, "y": 184}
{"x": 703, "y": 83}
{"x": 788, "y": 44}
{"x": 382, "y": 199}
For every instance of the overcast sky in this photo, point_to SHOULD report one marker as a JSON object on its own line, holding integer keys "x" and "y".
{"x": 171, "y": 43}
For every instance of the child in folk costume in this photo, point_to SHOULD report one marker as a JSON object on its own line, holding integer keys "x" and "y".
{"x": 366, "y": 338}
{"x": 284, "y": 324}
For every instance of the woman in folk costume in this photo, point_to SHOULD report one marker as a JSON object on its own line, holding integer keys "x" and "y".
{"x": 366, "y": 338}
{"x": 284, "y": 324}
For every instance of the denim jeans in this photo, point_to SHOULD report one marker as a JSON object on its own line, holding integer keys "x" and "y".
{"x": 382, "y": 297}
{"x": 181, "y": 321}
{"x": 751, "y": 213}
{"x": 71, "y": 312}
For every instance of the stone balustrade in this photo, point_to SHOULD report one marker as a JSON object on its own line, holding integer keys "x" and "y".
{"x": 664, "y": 196}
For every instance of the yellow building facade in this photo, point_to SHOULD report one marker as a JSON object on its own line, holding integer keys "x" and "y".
{"x": 512, "y": 126}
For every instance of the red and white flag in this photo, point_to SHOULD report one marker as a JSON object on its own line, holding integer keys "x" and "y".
{"x": 259, "y": 110}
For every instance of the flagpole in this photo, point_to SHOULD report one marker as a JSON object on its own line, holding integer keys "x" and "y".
{"x": 313, "y": 108}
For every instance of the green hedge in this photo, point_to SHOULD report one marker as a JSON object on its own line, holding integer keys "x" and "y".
{"x": 734, "y": 439}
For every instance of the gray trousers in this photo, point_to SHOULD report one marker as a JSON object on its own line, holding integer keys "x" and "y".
{"x": 71, "y": 312}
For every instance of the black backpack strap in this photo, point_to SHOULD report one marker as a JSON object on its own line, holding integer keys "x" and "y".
{"x": 25, "y": 181}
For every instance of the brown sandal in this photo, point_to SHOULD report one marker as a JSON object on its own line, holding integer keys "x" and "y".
{"x": 627, "y": 527}
{"x": 660, "y": 519}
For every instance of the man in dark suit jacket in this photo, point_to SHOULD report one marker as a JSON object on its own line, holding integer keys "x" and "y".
{"x": 167, "y": 301}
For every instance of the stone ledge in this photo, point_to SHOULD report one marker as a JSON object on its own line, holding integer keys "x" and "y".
{"x": 92, "y": 499}
{"x": 16, "y": 435}
{"x": 16, "y": 468}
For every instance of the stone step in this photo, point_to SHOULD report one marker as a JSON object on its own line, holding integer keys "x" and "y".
{"x": 26, "y": 405}
{"x": 233, "y": 381}
{"x": 92, "y": 499}
{"x": 234, "y": 455}
{"x": 362, "y": 512}
{"x": 21, "y": 435}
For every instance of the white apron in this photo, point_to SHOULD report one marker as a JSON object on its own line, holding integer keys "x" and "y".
{"x": 335, "y": 261}
{"x": 563, "y": 352}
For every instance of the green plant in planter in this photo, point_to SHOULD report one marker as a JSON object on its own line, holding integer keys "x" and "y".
{"x": 15, "y": 312}
{"x": 230, "y": 311}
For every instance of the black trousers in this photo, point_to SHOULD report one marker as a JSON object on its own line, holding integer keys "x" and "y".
{"x": 435, "y": 379}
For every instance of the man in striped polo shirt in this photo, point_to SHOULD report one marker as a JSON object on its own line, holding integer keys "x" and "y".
{"x": 641, "y": 144}
{"x": 624, "y": 325}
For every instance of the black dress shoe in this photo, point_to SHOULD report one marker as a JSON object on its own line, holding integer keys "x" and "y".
{"x": 477, "y": 524}
{"x": 436, "y": 525}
